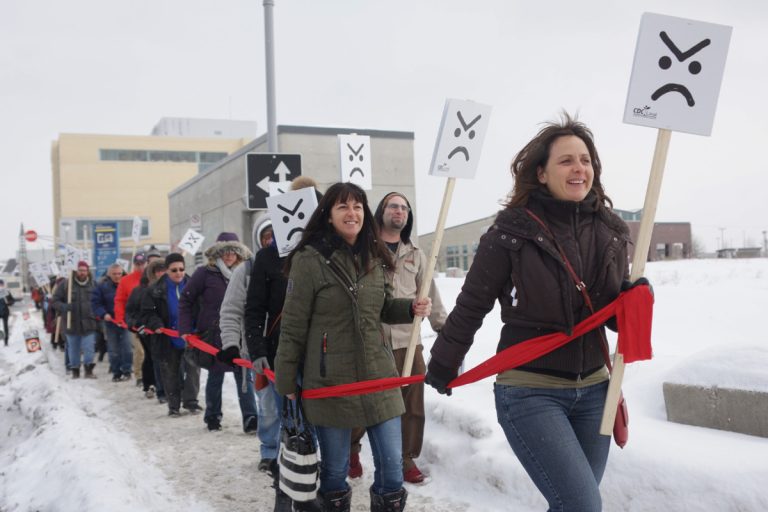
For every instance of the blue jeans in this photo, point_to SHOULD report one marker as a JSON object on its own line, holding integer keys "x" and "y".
{"x": 77, "y": 343}
{"x": 555, "y": 434}
{"x": 270, "y": 412}
{"x": 213, "y": 395}
{"x": 119, "y": 348}
{"x": 386, "y": 447}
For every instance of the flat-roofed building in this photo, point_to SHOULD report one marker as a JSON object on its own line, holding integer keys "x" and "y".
{"x": 114, "y": 178}
{"x": 215, "y": 201}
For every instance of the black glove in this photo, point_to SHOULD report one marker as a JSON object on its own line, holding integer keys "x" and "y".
{"x": 65, "y": 308}
{"x": 228, "y": 355}
{"x": 628, "y": 285}
{"x": 438, "y": 376}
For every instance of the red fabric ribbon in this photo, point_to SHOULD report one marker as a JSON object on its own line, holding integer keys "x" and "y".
{"x": 634, "y": 316}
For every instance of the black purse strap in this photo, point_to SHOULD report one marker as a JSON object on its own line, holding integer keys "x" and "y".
{"x": 580, "y": 286}
{"x": 295, "y": 413}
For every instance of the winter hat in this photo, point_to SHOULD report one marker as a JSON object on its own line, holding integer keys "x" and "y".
{"x": 153, "y": 252}
{"x": 140, "y": 258}
{"x": 82, "y": 263}
{"x": 173, "y": 257}
{"x": 227, "y": 237}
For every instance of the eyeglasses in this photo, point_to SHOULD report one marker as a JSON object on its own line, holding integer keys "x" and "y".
{"x": 394, "y": 207}
{"x": 175, "y": 270}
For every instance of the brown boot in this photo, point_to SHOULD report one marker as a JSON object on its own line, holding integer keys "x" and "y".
{"x": 89, "y": 371}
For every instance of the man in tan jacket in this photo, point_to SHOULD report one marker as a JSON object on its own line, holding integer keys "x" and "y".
{"x": 395, "y": 219}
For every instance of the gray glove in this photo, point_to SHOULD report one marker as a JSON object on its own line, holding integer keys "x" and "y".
{"x": 260, "y": 364}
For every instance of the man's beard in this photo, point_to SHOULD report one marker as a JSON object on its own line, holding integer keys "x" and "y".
{"x": 397, "y": 225}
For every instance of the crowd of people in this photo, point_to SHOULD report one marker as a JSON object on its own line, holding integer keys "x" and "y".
{"x": 338, "y": 309}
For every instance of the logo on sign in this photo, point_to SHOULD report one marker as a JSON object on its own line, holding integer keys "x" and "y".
{"x": 104, "y": 238}
{"x": 644, "y": 112}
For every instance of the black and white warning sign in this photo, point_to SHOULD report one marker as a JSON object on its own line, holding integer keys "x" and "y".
{"x": 676, "y": 74}
{"x": 264, "y": 172}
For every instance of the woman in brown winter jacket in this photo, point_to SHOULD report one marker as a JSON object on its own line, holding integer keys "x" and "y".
{"x": 551, "y": 407}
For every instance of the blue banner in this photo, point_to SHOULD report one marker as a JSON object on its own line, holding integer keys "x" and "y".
{"x": 106, "y": 246}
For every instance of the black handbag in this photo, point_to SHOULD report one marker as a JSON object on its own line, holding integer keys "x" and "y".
{"x": 298, "y": 454}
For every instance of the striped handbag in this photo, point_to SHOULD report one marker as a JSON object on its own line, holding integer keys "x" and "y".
{"x": 298, "y": 454}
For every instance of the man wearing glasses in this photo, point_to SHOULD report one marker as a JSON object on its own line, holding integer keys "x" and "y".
{"x": 395, "y": 220}
{"x": 160, "y": 308}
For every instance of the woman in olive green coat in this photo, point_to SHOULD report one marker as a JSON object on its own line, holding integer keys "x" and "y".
{"x": 336, "y": 299}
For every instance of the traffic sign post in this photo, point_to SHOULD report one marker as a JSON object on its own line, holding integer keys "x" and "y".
{"x": 263, "y": 169}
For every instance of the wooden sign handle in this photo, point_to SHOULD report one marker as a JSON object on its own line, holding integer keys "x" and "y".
{"x": 638, "y": 268}
{"x": 426, "y": 278}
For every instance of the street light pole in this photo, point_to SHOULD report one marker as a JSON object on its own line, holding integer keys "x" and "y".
{"x": 269, "y": 48}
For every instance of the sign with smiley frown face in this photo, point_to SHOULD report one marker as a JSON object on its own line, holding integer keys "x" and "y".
{"x": 460, "y": 139}
{"x": 676, "y": 75}
{"x": 355, "y": 160}
{"x": 290, "y": 212}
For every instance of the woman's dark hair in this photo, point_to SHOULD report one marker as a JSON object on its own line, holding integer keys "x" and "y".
{"x": 535, "y": 154}
{"x": 319, "y": 227}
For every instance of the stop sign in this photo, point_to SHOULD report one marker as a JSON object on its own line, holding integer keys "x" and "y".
{"x": 30, "y": 235}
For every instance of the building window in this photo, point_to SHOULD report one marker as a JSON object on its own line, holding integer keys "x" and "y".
{"x": 204, "y": 159}
{"x": 172, "y": 156}
{"x": 211, "y": 158}
{"x": 123, "y": 155}
{"x": 452, "y": 256}
{"x": 124, "y": 228}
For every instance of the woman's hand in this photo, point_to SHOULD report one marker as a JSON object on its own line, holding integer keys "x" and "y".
{"x": 291, "y": 396}
{"x": 422, "y": 307}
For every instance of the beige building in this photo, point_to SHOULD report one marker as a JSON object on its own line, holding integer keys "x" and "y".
{"x": 118, "y": 177}
{"x": 669, "y": 240}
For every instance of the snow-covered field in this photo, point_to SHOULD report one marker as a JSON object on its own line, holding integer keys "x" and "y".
{"x": 101, "y": 446}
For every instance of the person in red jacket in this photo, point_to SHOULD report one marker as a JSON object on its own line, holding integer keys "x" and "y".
{"x": 124, "y": 289}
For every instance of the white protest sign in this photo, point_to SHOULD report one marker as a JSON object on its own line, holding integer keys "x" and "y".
{"x": 39, "y": 271}
{"x": 191, "y": 241}
{"x": 136, "y": 229}
{"x": 3, "y": 293}
{"x": 71, "y": 257}
{"x": 460, "y": 139}
{"x": 124, "y": 263}
{"x": 676, "y": 74}
{"x": 290, "y": 213}
{"x": 54, "y": 268}
{"x": 355, "y": 160}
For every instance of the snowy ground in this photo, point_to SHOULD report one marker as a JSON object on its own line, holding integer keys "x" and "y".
{"x": 101, "y": 446}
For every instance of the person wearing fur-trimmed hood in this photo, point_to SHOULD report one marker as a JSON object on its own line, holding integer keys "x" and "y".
{"x": 199, "y": 307}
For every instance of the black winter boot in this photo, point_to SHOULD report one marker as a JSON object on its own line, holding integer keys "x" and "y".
{"x": 89, "y": 371}
{"x": 390, "y": 502}
{"x": 339, "y": 501}
{"x": 76, "y": 373}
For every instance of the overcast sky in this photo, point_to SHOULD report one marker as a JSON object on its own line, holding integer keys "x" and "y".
{"x": 89, "y": 66}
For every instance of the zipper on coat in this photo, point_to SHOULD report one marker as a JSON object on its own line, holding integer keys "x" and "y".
{"x": 324, "y": 350}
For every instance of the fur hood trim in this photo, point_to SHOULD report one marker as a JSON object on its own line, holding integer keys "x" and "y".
{"x": 217, "y": 250}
